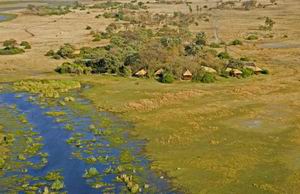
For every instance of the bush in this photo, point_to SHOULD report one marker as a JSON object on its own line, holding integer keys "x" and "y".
{"x": 66, "y": 51}
{"x": 223, "y": 55}
{"x": 25, "y": 44}
{"x": 11, "y": 51}
{"x": 88, "y": 28}
{"x": 50, "y": 53}
{"x": 265, "y": 71}
{"x": 203, "y": 77}
{"x": 125, "y": 71}
{"x": 252, "y": 37}
{"x": 214, "y": 45}
{"x": 236, "y": 42}
{"x": 73, "y": 68}
{"x": 247, "y": 72}
{"x": 167, "y": 78}
{"x": 208, "y": 78}
{"x": 11, "y": 43}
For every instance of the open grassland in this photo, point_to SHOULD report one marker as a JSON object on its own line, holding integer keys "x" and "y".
{"x": 232, "y": 136}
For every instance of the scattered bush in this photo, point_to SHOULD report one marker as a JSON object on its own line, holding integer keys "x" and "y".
{"x": 50, "y": 53}
{"x": 11, "y": 51}
{"x": 66, "y": 51}
{"x": 203, "y": 77}
{"x": 247, "y": 72}
{"x": 25, "y": 44}
{"x": 73, "y": 68}
{"x": 214, "y": 45}
{"x": 166, "y": 78}
{"x": 252, "y": 37}
{"x": 11, "y": 43}
{"x": 88, "y": 28}
{"x": 223, "y": 55}
{"x": 265, "y": 71}
{"x": 236, "y": 42}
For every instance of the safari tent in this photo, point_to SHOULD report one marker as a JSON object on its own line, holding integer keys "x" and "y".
{"x": 187, "y": 75}
{"x": 141, "y": 73}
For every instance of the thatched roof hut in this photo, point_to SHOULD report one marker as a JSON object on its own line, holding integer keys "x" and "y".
{"x": 208, "y": 69}
{"x": 159, "y": 72}
{"x": 236, "y": 73}
{"x": 141, "y": 73}
{"x": 255, "y": 69}
{"x": 187, "y": 75}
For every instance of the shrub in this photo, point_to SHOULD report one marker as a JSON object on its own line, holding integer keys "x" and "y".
{"x": 265, "y": 71}
{"x": 208, "y": 78}
{"x": 88, "y": 28}
{"x": 11, "y": 43}
{"x": 200, "y": 39}
{"x": 252, "y": 37}
{"x": 125, "y": 71}
{"x": 25, "y": 44}
{"x": 236, "y": 42}
{"x": 167, "y": 78}
{"x": 50, "y": 53}
{"x": 73, "y": 68}
{"x": 214, "y": 45}
{"x": 247, "y": 72}
{"x": 223, "y": 55}
{"x": 11, "y": 51}
{"x": 66, "y": 51}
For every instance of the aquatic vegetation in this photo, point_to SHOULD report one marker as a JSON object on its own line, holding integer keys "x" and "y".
{"x": 57, "y": 185}
{"x": 90, "y": 173}
{"x": 55, "y": 113}
{"x": 54, "y": 175}
{"x": 46, "y": 88}
{"x": 69, "y": 127}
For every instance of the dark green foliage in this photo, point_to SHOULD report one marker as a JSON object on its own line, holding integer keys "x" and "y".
{"x": 50, "y": 53}
{"x": 25, "y": 44}
{"x": 247, "y": 72}
{"x": 48, "y": 10}
{"x": 223, "y": 55}
{"x": 203, "y": 77}
{"x": 73, "y": 68}
{"x": 208, "y": 78}
{"x": 200, "y": 39}
{"x": 252, "y": 37}
{"x": 191, "y": 49}
{"x": 214, "y": 45}
{"x": 66, "y": 51}
{"x": 125, "y": 71}
{"x": 265, "y": 71}
{"x": 11, "y": 43}
{"x": 11, "y": 51}
{"x": 236, "y": 42}
{"x": 166, "y": 78}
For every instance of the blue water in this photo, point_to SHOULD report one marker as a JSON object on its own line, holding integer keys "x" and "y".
{"x": 60, "y": 153}
{"x": 3, "y": 18}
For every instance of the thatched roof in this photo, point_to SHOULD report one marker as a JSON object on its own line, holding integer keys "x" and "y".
{"x": 253, "y": 68}
{"x": 141, "y": 72}
{"x": 187, "y": 73}
{"x": 228, "y": 69}
{"x": 159, "y": 71}
{"x": 208, "y": 69}
{"x": 236, "y": 71}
